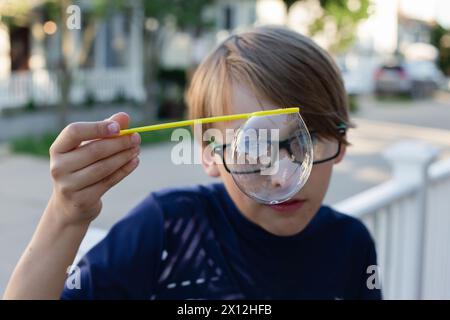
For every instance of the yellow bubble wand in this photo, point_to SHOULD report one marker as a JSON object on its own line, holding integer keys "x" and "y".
{"x": 185, "y": 123}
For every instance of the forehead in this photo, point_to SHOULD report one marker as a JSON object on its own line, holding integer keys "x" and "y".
{"x": 243, "y": 100}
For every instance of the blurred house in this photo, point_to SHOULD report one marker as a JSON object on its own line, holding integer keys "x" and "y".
{"x": 182, "y": 50}
{"x": 31, "y": 52}
{"x": 393, "y": 29}
{"x": 390, "y": 29}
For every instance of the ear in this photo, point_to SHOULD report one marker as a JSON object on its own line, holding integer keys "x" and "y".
{"x": 209, "y": 163}
{"x": 341, "y": 154}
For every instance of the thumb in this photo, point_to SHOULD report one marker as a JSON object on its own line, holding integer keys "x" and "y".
{"x": 122, "y": 119}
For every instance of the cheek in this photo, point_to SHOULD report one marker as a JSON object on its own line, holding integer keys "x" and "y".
{"x": 243, "y": 202}
{"x": 318, "y": 181}
{"x": 226, "y": 178}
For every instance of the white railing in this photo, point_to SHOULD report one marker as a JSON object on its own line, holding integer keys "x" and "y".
{"x": 409, "y": 218}
{"x": 41, "y": 86}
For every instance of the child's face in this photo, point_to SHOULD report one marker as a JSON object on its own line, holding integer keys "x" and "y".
{"x": 285, "y": 219}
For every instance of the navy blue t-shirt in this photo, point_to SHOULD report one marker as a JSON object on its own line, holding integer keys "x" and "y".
{"x": 194, "y": 243}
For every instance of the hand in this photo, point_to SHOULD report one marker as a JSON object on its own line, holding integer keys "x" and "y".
{"x": 86, "y": 160}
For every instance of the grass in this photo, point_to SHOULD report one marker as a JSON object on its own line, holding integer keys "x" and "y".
{"x": 400, "y": 98}
{"x": 39, "y": 145}
{"x": 159, "y": 136}
{"x": 34, "y": 145}
{"x": 353, "y": 103}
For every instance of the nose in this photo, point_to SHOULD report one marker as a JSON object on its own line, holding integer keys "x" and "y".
{"x": 282, "y": 175}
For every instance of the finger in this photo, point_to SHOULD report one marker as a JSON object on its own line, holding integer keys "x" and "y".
{"x": 97, "y": 150}
{"x": 76, "y": 132}
{"x": 121, "y": 118}
{"x": 96, "y": 191}
{"x": 101, "y": 169}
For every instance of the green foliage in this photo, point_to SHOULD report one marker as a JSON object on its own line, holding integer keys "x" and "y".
{"x": 343, "y": 15}
{"x": 30, "y": 106}
{"x": 97, "y": 8}
{"x": 90, "y": 100}
{"x": 172, "y": 75}
{"x": 15, "y": 12}
{"x": 37, "y": 145}
{"x": 119, "y": 98}
{"x": 440, "y": 37}
{"x": 154, "y": 137}
{"x": 353, "y": 103}
{"x": 171, "y": 93}
{"x": 52, "y": 10}
{"x": 186, "y": 13}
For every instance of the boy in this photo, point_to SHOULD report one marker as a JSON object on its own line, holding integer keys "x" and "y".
{"x": 209, "y": 242}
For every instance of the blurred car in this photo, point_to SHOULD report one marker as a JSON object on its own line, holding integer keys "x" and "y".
{"x": 414, "y": 78}
{"x": 447, "y": 84}
{"x": 352, "y": 81}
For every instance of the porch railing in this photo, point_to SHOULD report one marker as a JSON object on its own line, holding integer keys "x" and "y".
{"x": 409, "y": 218}
{"x": 41, "y": 86}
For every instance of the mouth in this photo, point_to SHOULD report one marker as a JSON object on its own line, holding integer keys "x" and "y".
{"x": 288, "y": 206}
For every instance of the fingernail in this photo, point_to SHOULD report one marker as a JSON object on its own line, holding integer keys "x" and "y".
{"x": 136, "y": 138}
{"x": 113, "y": 128}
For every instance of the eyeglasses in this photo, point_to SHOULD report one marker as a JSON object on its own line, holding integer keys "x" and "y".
{"x": 254, "y": 161}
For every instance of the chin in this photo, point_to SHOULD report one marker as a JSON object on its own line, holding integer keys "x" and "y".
{"x": 283, "y": 222}
{"x": 285, "y": 229}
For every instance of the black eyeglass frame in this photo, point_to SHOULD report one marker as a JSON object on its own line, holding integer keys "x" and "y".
{"x": 285, "y": 144}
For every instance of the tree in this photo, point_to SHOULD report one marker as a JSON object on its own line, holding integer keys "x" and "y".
{"x": 342, "y": 15}
{"x": 440, "y": 38}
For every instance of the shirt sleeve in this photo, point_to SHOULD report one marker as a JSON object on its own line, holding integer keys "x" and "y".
{"x": 125, "y": 263}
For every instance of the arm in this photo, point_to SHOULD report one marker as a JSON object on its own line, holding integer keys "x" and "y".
{"x": 125, "y": 264}
{"x": 81, "y": 172}
{"x": 41, "y": 271}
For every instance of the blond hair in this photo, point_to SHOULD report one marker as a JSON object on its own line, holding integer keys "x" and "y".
{"x": 278, "y": 65}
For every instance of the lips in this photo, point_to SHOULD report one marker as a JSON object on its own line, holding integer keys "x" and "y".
{"x": 288, "y": 206}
